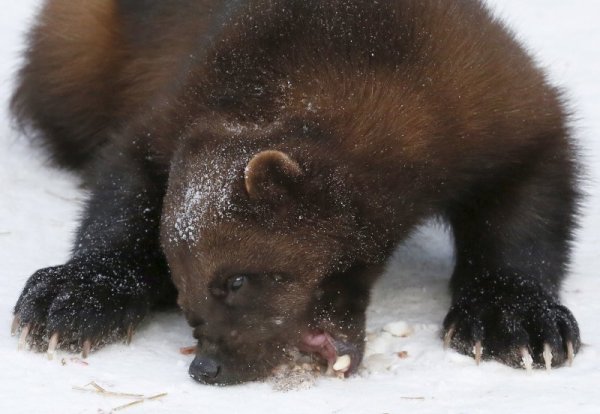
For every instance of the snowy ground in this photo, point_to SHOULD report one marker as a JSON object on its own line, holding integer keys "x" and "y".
{"x": 38, "y": 211}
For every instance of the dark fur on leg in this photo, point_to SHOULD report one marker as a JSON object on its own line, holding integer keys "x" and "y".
{"x": 117, "y": 272}
{"x": 512, "y": 245}
{"x": 303, "y": 140}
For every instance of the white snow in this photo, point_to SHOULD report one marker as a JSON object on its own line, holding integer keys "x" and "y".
{"x": 38, "y": 213}
{"x": 206, "y": 194}
{"x": 398, "y": 328}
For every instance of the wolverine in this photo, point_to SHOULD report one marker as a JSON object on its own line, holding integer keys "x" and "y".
{"x": 258, "y": 161}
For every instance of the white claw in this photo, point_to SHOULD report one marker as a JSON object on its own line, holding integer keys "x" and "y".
{"x": 15, "y": 325}
{"x": 448, "y": 337}
{"x": 527, "y": 360}
{"x": 23, "y": 337}
{"x": 570, "y": 353}
{"x": 342, "y": 363}
{"x": 478, "y": 351}
{"x": 547, "y": 354}
{"x": 52, "y": 346}
{"x": 129, "y": 335}
{"x": 87, "y": 346}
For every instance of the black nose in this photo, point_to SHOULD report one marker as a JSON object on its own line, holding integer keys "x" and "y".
{"x": 204, "y": 369}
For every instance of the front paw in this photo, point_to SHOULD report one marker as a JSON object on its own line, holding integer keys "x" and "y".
{"x": 529, "y": 330}
{"x": 79, "y": 305}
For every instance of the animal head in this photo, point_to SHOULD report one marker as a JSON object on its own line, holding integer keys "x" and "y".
{"x": 264, "y": 247}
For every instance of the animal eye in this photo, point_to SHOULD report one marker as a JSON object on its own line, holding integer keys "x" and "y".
{"x": 236, "y": 282}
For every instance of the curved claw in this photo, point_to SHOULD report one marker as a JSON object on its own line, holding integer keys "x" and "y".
{"x": 570, "y": 353}
{"x": 527, "y": 360}
{"x": 52, "y": 346}
{"x": 547, "y": 354}
{"x": 448, "y": 337}
{"x": 87, "y": 346}
{"x": 129, "y": 335}
{"x": 15, "y": 325}
{"x": 478, "y": 351}
{"x": 23, "y": 337}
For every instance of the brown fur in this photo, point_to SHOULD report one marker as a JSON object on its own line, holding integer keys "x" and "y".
{"x": 299, "y": 142}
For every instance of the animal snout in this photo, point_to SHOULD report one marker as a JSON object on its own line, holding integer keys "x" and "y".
{"x": 204, "y": 369}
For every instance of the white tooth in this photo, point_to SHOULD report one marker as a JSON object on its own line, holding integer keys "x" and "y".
{"x": 342, "y": 363}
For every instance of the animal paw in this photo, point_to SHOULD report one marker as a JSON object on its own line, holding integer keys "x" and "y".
{"x": 528, "y": 330}
{"x": 79, "y": 306}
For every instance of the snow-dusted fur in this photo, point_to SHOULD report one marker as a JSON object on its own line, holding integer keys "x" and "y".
{"x": 359, "y": 119}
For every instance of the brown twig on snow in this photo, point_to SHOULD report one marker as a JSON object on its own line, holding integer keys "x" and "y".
{"x": 131, "y": 404}
{"x": 188, "y": 350}
{"x": 99, "y": 390}
{"x": 139, "y": 398}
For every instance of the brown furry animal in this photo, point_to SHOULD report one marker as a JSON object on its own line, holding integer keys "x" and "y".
{"x": 274, "y": 152}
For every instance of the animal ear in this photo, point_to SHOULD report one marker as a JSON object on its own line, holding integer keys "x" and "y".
{"x": 270, "y": 175}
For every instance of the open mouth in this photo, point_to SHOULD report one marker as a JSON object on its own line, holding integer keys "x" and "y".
{"x": 341, "y": 357}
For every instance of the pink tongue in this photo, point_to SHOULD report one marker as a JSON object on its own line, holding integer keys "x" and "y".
{"x": 321, "y": 343}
